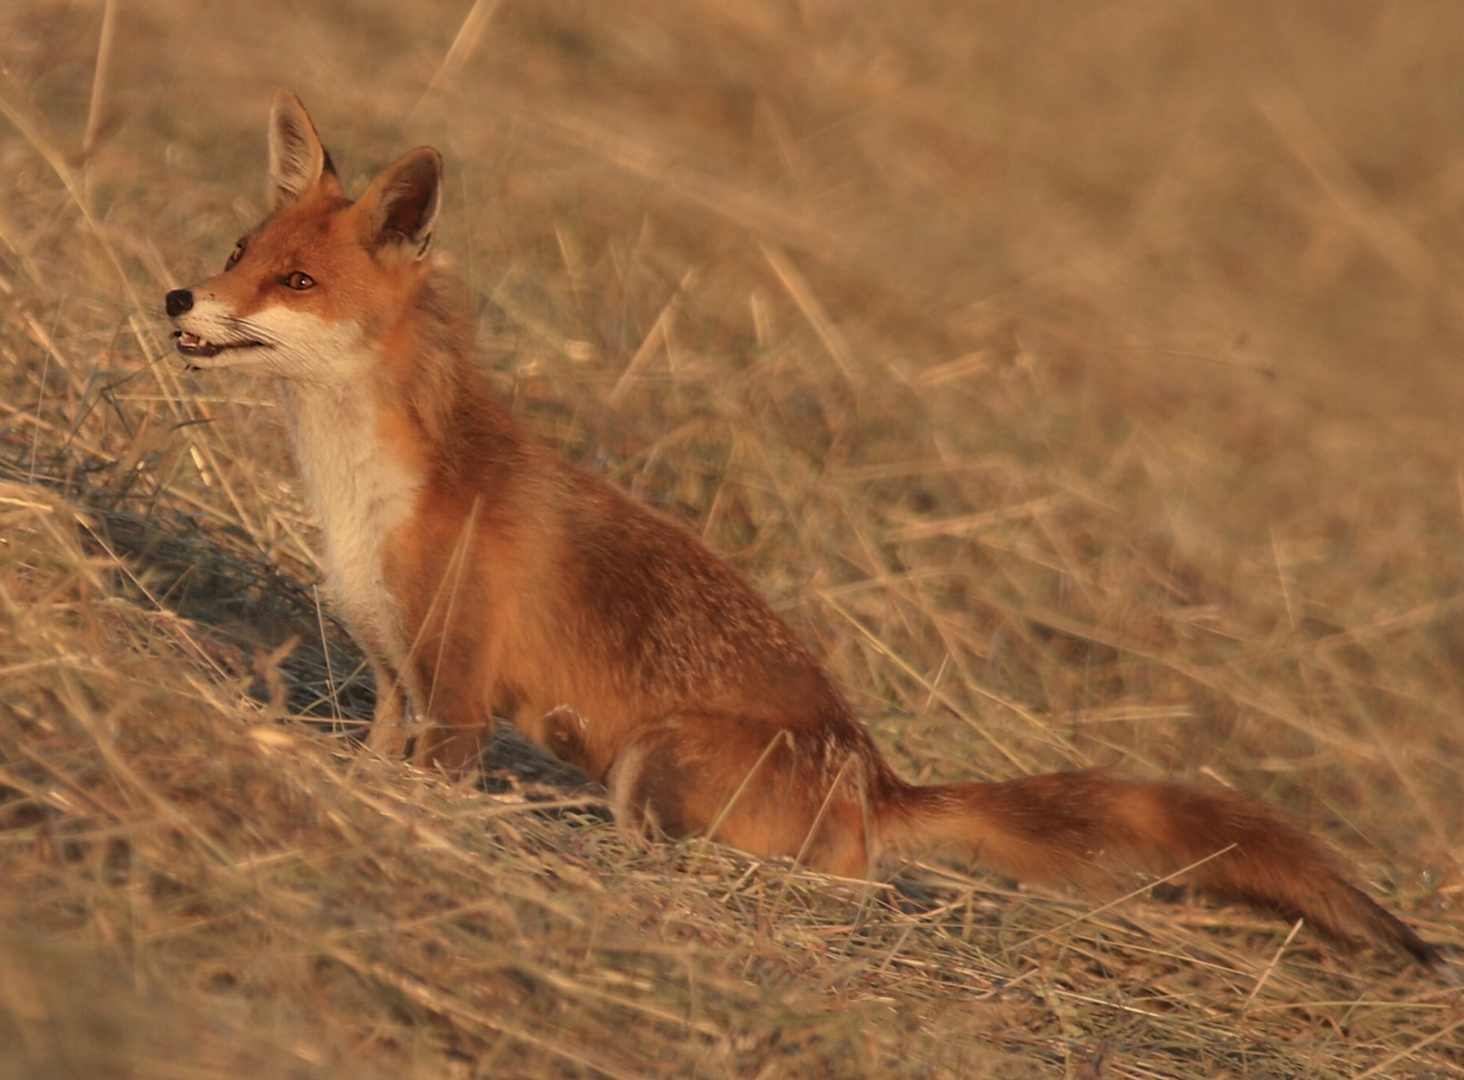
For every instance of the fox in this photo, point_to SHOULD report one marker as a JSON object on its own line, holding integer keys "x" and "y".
{"x": 484, "y": 576}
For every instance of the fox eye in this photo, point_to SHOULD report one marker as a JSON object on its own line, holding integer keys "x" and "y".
{"x": 235, "y": 256}
{"x": 298, "y": 281}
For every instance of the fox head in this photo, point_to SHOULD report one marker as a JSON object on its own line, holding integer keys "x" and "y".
{"x": 308, "y": 292}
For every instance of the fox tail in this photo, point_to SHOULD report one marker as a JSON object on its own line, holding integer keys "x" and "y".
{"x": 1083, "y": 827}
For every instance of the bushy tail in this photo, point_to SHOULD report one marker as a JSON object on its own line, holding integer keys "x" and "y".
{"x": 1082, "y": 827}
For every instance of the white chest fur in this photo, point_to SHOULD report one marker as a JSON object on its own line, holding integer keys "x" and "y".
{"x": 359, "y": 492}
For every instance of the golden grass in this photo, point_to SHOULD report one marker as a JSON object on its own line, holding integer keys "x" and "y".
{"x": 1084, "y": 383}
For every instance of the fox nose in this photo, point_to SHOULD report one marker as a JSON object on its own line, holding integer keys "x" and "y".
{"x": 179, "y": 302}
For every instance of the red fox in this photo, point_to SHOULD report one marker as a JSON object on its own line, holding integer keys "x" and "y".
{"x": 485, "y": 576}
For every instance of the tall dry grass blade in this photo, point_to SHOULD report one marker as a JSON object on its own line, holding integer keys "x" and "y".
{"x": 463, "y": 44}
{"x": 655, "y": 339}
{"x": 1359, "y": 207}
{"x": 818, "y": 317}
{"x": 96, "y": 111}
{"x": 1270, "y": 967}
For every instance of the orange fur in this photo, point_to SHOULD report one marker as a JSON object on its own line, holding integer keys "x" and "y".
{"x": 485, "y": 576}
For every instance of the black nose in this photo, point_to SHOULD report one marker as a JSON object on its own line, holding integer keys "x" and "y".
{"x": 179, "y": 302}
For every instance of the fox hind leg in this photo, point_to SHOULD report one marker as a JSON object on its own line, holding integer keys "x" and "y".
{"x": 749, "y": 784}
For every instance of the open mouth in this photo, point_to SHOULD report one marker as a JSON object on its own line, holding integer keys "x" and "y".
{"x": 193, "y": 345}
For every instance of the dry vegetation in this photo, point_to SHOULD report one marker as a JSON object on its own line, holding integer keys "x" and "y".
{"x": 1083, "y": 380}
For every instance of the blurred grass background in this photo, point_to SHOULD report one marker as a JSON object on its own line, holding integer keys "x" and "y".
{"x": 1083, "y": 381}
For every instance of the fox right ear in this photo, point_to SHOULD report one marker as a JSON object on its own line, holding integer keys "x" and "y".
{"x": 401, "y": 205}
{"x": 297, "y": 160}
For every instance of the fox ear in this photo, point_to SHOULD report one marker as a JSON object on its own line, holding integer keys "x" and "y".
{"x": 297, "y": 160}
{"x": 401, "y": 204}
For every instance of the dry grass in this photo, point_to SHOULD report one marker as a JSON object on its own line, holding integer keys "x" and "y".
{"x": 1084, "y": 382}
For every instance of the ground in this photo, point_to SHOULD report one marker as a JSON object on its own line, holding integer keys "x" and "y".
{"x": 1083, "y": 382}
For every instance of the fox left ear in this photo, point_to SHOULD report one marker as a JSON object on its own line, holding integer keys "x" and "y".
{"x": 402, "y": 204}
{"x": 297, "y": 160}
